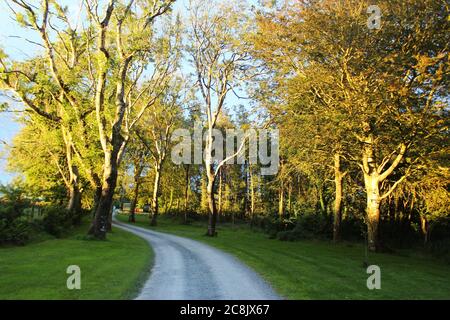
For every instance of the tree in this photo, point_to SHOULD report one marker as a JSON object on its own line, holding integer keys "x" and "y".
{"x": 137, "y": 157}
{"x": 300, "y": 98}
{"x": 43, "y": 163}
{"x": 130, "y": 52}
{"x": 158, "y": 127}
{"x": 115, "y": 48}
{"x": 220, "y": 65}
{"x": 385, "y": 87}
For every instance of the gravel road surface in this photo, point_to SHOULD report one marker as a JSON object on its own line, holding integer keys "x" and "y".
{"x": 186, "y": 269}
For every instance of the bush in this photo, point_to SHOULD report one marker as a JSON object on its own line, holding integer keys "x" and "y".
{"x": 309, "y": 225}
{"x": 440, "y": 249}
{"x": 14, "y": 228}
{"x": 440, "y": 229}
{"x": 353, "y": 229}
{"x": 400, "y": 234}
{"x": 272, "y": 224}
{"x": 58, "y": 221}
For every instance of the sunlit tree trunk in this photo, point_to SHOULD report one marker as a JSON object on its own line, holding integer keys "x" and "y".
{"x": 338, "y": 177}
{"x": 252, "y": 193}
{"x": 220, "y": 191}
{"x": 290, "y": 198}
{"x": 169, "y": 205}
{"x": 74, "y": 204}
{"x": 281, "y": 200}
{"x": 212, "y": 217}
{"x": 425, "y": 227}
{"x": 374, "y": 175}
{"x": 186, "y": 192}
{"x": 155, "y": 198}
{"x": 371, "y": 183}
{"x": 111, "y": 145}
{"x": 322, "y": 204}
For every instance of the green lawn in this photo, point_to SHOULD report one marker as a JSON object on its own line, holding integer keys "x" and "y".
{"x": 111, "y": 269}
{"x": 318, "y": 269}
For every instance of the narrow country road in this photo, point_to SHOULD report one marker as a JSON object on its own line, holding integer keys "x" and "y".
{"x": 185, "y": 269}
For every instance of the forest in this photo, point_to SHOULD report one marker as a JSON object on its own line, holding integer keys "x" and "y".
{"x": 348, "y": 100}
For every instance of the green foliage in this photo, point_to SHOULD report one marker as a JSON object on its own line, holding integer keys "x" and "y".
{"x": 331, "y": 84}
{"x": 440, "y": 249}
{"x": 273, "y": 225}
{"x": 59, "y": 221}
{"x": 3, "y": 106}
{"x": 309, "y": 225}
{"x": 14, "y": 227}
{"x": 21, "y": 19}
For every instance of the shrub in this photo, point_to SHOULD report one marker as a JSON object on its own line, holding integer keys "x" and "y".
{"x": 352, "y": 229}
{"x": 58, "y": 221}
{"x": 399, "y": 234}
{"x": 309, "y": 225}
{"x": 14, "y": 228}
{"x": 273, "y": 224}
{"x": 440, "y": 249}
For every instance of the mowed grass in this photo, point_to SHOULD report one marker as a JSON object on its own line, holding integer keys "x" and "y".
{"x": 320, "y": 269}
{"x": 111, "y": 269}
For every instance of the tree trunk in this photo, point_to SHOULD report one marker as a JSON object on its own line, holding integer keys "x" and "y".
{"x": 252, "y": 194}
{"x": 212, "y": 218}
{"x": 338, "y": 177}
{"x": 373, "y": 219}
{"x": 371, "y": 182}
{"x": 137, "y": 184}
{"x": 155, "y": 199}
{"x": 204, "y": 205}
{"x": 290, "y": 198}
{"x": 219, "y": 213}
{"x": 323, "y": 205}
{"x": 169, "y": 206}
{"x": 97, "y": 195}
{"x": 99, "y": 225}
{"x": 247, "y": 191}
{"x": 186, "y": 193}
{"x": 101, "y": 220}
{"x": 424, "y": 226}
{"x": 109, "y": 220}
{"x": 74, "y": 204}
{"x": 281, "y": 201}
{"x": 373, "y": 177}
{"x": 373, "y": 211}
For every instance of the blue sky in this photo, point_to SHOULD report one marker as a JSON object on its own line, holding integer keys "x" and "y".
{"x": 17, "y": 49}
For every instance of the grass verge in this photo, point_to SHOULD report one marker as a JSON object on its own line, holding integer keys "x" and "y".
{"x": 111, "y": 269}
{"x": 319, "y": 269}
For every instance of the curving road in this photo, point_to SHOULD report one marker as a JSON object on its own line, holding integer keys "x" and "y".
{"x": 185, "y": 269}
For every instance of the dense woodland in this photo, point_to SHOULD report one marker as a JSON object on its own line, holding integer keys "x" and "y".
{"x": 360, "y": 102}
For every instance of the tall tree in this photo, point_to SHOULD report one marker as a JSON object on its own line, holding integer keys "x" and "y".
{"x": 156, "y": 134}
{"x": 385, "y": 87}
{"x": 130, "y": 28}
{"x": 115, "y": 46}
{"x": 220, "y": 66}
